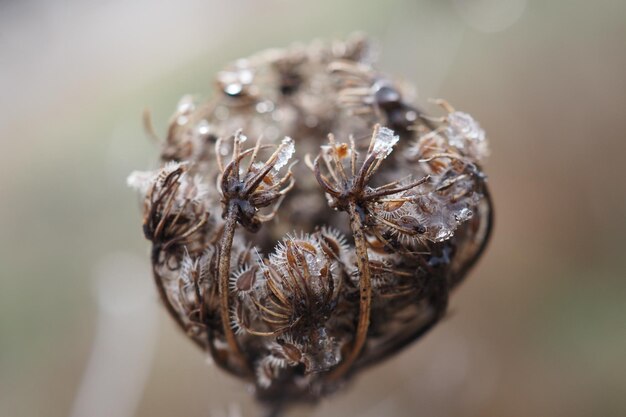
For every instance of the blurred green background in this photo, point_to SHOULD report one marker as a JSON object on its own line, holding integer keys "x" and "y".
{"x": 539, "y": 327}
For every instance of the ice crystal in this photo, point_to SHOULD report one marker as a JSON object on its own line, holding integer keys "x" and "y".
{"x": 286, "y": 152}
{"x": 465, "y": 133}
{"x": 384, "y": 142}
{"x": 186, "y": 105}
{"x": 141, "y": 180}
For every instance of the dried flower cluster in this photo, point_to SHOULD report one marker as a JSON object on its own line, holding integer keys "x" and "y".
{"x": 298, "y": 262}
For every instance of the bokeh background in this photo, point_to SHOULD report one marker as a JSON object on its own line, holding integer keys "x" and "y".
{"x": 538, "y": 329}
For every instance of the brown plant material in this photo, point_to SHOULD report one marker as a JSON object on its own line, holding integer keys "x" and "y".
{"x": 296, "y": 276}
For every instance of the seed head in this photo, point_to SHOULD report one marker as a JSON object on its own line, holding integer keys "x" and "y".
{"x": 295, "y": 277}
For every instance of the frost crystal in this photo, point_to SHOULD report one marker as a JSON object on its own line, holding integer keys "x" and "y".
{"x": 384, "y": 142}
{"x": 196, "y": 189}
{"x": 312, "y": 263}
{"x": 141, "y": 180}
{"x": 329, "y": 353}
{"x": 186, "y": 105}
{"x": 465, "y": 134}
{"x": 285, "y": 154}
{"x": 188, "y": 266}
{"x": 463, "y": 215}
{"x": 443, "y": 234}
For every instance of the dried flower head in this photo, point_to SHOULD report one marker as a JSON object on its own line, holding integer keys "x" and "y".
{"x": 292, "y": 276}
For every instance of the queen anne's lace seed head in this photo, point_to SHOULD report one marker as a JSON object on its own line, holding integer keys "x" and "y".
{"x": 297, "y": 276}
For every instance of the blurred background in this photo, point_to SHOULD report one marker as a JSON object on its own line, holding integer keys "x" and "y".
{"x": 538, "y": 328}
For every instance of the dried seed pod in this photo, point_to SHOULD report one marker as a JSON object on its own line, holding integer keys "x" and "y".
{"x": 176, "y": 206}
{"x": 298, "y": 286}
{"x": 244, "y": 281}
{"x": 296, "y": 277}
{"x": 187, "y": 291}
{"x": 246, "y": 190}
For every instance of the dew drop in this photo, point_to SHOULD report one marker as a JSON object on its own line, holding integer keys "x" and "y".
{"x": 203, "y": 128}
{"x": 233, "y": 89}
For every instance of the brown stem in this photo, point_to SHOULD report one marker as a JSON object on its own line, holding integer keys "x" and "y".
{"x": 489, "y": 218}
{"x": 226, "y": 245}
{"x": 220, "y": 360}
{"x": 158, "y": 280}
{"x": 365, "y": 287}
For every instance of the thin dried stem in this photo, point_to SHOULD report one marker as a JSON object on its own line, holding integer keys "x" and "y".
{"x": 365, "y": 291}
{"x": 226, "y": 245}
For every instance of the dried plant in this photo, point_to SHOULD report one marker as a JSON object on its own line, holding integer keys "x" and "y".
{"x": 296, "y": 276}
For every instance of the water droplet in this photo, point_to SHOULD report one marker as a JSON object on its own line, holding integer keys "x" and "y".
{"x": 411, "y": 115}
{"x": 234, "y": 81}
{"x": 233, "y": 89}
{"x": 386, "y": 95}
{"x": 203, "y": 128}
